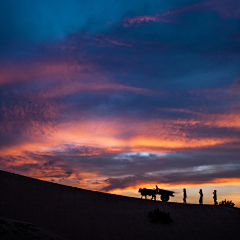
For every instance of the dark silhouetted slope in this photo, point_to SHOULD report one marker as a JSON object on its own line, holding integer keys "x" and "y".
{"x": 16, "y": 230}
{"x": 73, "y": 213}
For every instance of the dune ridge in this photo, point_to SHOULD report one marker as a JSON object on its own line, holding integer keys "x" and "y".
{"x": 73, "y": 213}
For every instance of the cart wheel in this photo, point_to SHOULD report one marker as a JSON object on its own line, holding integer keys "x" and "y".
{"x": 164, "y": 198}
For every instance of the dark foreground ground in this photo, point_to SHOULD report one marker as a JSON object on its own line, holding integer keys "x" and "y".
{"x": 17, "y": 230}
{"x": 73, "y": 213}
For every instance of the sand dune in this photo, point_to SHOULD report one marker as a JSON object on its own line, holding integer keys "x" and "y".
{"x": 73, "y": 213}
{"x": 16, "y": 230}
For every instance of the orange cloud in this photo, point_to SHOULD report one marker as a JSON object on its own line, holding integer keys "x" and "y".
{"x": 217, "y": 182}
{"x": 106, "y": 136}
{"x": 109, "y": 133}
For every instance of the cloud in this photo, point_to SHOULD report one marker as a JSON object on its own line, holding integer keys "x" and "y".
{"x": 108, "y": 172}
{"x": 226, "y": 9}
{"x": 235, "y": 86}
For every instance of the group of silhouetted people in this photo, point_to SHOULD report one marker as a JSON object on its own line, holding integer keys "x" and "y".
{"x": 200, "y": 197}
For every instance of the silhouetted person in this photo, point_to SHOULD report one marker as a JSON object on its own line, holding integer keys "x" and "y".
{"x": 184, "y": 196}
{"x": 156, "y": 189}
{"x": 201, "y": 197}
{"x": 215, "y": 197}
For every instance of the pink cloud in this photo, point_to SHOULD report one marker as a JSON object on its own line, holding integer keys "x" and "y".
{"x": 226, "y": 9}
{"x": 134, "y": 21}
{"x": 64, "y": 77}
{"x": 104, "y": 38}
{"x": 67, "y": 88}
{"x": 35, "y": 70}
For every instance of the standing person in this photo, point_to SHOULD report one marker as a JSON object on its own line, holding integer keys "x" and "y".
{"x": 201, "y": 197}
{"x": 215, "y": 197}
{"x": 156, "y": 189}
{"x": 184, "y": 196}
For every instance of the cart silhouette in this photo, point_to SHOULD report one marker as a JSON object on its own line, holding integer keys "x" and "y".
{"x": 164, "y": 194}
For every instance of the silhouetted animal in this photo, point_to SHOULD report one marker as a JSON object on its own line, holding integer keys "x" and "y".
{"x": 165, "y": 194}
{"x": 148, "y": 192}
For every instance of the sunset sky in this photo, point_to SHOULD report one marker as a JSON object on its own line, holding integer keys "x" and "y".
{"x": 116, "y": 95}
